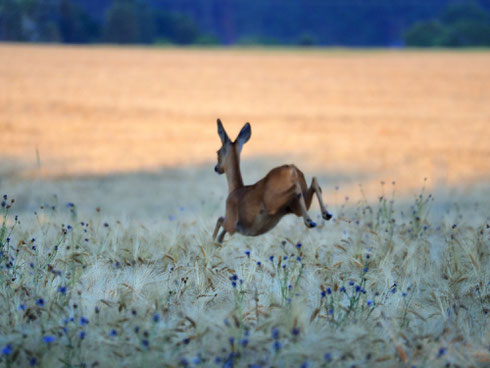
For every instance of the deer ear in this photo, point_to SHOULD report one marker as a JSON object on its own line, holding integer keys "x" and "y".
{"x": 244, "y": 135}
{"x": 222, "y": 133}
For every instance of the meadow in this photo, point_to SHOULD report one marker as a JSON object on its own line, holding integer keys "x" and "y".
{"x": 109, "y": 200}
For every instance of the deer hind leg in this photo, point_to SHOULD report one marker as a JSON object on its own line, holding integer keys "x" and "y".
{"x": 218, "y": 225}
{"x": 299, "y": 206}
{"x": 221, "y": 236}
{"x": 315, "y": 188}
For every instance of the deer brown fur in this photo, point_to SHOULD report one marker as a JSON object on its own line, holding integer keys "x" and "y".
{"x": 255, "y": 209}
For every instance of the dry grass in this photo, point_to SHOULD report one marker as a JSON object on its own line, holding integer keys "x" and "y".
{"x": 141, "y": 124}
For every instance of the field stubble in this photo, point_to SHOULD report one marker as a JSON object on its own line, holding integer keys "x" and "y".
{"x": 110, "y": 261}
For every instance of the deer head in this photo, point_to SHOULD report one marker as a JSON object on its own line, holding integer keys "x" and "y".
{"x": 229, "y": 153}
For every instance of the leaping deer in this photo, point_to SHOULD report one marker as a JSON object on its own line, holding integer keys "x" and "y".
{"x": 255, "y": 209}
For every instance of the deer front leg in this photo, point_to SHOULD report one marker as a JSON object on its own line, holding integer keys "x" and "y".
{"x": 218, "y": 225}
{"x": 318, "y": 191}
{"x": 301, "y": 201}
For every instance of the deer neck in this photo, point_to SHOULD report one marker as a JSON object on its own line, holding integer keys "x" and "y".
{"x": 233, "y": 174}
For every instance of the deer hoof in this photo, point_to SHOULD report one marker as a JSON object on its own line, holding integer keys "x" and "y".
{"x": 309, "y": 223}
{"x": 327, "y": 216}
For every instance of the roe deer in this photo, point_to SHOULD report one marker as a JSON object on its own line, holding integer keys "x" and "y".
{"x": 255, "y": 209}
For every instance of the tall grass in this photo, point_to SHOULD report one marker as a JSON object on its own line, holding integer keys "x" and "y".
{"x": 384, "y": 284}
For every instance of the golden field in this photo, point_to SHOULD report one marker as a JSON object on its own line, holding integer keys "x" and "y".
{"x": 106, "y": 256}
{"x": 400, "y": 115}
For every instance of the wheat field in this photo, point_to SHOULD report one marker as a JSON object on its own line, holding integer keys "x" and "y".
{"x": 110, "y": 199}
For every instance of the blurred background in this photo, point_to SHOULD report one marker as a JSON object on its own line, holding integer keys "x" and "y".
{"x": 382, "y": 23}
{"x": 115, "y": 102}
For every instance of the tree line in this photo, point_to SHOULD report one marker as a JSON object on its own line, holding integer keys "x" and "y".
{"x": 67, "y": 21}
{"x": 265, "y": 22}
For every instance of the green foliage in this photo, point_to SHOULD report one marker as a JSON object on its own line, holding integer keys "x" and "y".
{"x": 11, "y": 21}
{"x": 121, "y": 25}
{"x": 307, "y": 39}
{"x": 76, "y": 26}
{"x": 460, "y": 25}
{"x": 425, "y": 34}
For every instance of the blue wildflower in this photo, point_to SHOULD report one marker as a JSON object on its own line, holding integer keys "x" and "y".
{"x": 70, "y": 205}
{"x": 343, "y": 289}
{"x": 83, "y": 321}
{"x": 275, "y": 333}
{"x": 247, "y": 253}
{"x": 21, "y": 307}
{"x": 233, "y": 283}
{"x": 358, "y": 288}
{"x": 234, "y": 277}
{"x": 327, "y": 357}
{"x": 48, "y": 339}
{"x": 323, "y": 294}
{"x": 156, "y": 317}
{"x": 7, "y": 350}
{"x": 295, "y": 331}
{"x": 196, "y": 360}
{"x": 82, "y": 335}
{"x": 329, "y": 291}
{"x": 368, "y": 256}
{"x": 285, "y": 258}
{"x": 145, "y": 343}
{"x": 366, "y": 269}
{"x": 298, "y": 245}
{"x": 271, "y": 258}
{"x": 40, "y": 302}
{"x": 351, "y": 283}
{"x": 244, "y": 343}
{"x": 113, "y": 333}
{"x": 62, "y": 289}
{"x": 330, "y": 311}
{"x": 259, "y": 263}
{"x": 277, "y": 345}
{"x": 441, "y": 352}
{"x": 369, "y": 302}
{"x": 232, "y": 340}
{"x": 32, "y": 362}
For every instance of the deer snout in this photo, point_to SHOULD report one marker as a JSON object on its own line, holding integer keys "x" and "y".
{"x": 218, "y": 170}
